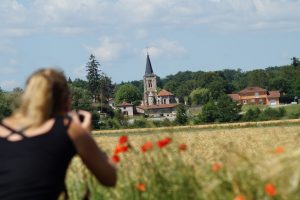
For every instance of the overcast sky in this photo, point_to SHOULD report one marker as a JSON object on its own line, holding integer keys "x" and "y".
{"x": 181, "y": 35}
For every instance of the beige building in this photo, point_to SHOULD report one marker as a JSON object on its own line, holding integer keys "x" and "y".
{"x": 127, "y": 109}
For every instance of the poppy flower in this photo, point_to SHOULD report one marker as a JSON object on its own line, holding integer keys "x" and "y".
{"x": 239, "y": 197}
{"x": 182, "y": 147}
{"x": 120, "y": 149}
{"x": 270, "y": 189}
{"x": 123, "y": 139}
{"x": 279, "y": 150}
{"x": 164, "y": 142}
{"x": 147, "y": 146}
{"x": 115, "y": 159}
{"x": 216, "y": 167}
{"x": 141, "y": 187}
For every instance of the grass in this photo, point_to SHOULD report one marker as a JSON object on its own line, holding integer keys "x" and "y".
{"x": 217, "y": 164}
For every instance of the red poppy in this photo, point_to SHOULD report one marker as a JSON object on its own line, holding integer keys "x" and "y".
{"x": 164, "y": 142}
{"x": 120, "y": 149}
{"x": 279, "y": 150}
{"x": 239, "y": 197}
{"x": 116, "y": 159}
{"x": 182, "y": 147}
{"x": 216, "y": 167}
{"x": 141, "y": 187}
{"x": 147, "y": 146}
{"x": 123, "y": 139}
{"x": 270, "y": 189}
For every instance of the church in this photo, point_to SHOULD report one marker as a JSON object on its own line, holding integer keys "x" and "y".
{"x": 156, "y": 103}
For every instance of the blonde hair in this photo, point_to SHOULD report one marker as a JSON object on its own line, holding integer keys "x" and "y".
{"x": 45, "y": 96}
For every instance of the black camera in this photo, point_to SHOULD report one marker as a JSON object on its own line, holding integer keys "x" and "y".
{"x": 80, "y": 116}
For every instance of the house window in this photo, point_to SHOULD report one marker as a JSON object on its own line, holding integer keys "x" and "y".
{"x": 165, "y": 101}
{"x": 252, "y": 100}
{"x": 124, "y": 108}
{"x": 256, "y": 94}
{"x": 261, "y": 101}
{"x": 149, "y": 83}
{"x": 244, "y": 101}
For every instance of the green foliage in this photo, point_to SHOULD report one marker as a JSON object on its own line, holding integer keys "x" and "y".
{"x": 295, "y": 62}
{"x": 141, "y": 123}
{"x": 5, "y": 105}
{"x": 228, "y": 109}
{"x": 181, "y": 116}
{"x": 81, "y": 98}
{"x": 99, "y": 84}
{"x": 210, "y": 112}
{"x": 128, "y": 93}
{"x": 200, "y": 96}
{"x": 252, "y": 114}
{"x": 271, "y": 113}
{"x": 93, "y": 76}
{"x": 223, "y": 110}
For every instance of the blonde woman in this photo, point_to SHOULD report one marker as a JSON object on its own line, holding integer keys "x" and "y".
{"x": 38, "y": 141}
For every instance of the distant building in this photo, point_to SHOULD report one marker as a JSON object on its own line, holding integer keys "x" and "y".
{"x": 256, "y": 95}
{"x": 156, "y": 104}
{"x": 127, "y": 109}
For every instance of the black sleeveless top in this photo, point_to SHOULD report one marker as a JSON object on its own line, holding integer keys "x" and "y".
{"x": 34, "y": 168}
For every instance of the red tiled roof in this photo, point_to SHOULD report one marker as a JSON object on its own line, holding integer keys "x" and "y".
{"x": 251, "y": 89}
{"x": 164, "y": 92}
{"x": 234, "y": 97}
{"x": 160, "y": 106}
{"x": 274, "y": 94}
{"x": 124, "y": 104}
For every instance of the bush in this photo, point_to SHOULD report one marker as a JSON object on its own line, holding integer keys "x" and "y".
{"x": 271, "y": 114}
{"x": 251, "y": 115}
{"x": 140, "y": 123}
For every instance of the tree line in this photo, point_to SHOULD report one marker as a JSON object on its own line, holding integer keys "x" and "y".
{"x": 206, "y": 89}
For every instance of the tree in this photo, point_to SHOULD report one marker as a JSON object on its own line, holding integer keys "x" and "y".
{"x": 128, "y": 93}
{"x": 93, "y": 77}
{"x": 295, "y": 61}
{"x": 224, "y": 110}
{"x": 209, "y": 113}
{"x": 81, "y": 98}
{"x": 200, "y": 96}
{"x": 106, "y": 89}
{"x": 228, "y": 109}
{"x": 258, "y": 77}
{"x": 252, "y": 114}
{"x": 5, "y": 105}
{"x": 181, "y": 116}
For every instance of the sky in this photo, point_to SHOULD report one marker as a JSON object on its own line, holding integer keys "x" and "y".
{"x": 193, "y": 35}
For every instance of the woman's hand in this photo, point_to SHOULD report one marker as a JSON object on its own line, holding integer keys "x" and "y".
{"x": 86, "y": 122}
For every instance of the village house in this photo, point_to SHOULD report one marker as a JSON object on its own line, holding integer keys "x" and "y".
{"x": 127, "y": 109}
{"x": 161, "y": 104}
{"x": 256, "y": 95}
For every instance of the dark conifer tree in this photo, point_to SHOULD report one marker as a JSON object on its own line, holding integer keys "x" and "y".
{"x": 93, "y": 77}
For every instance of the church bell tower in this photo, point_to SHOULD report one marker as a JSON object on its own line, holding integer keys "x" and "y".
{"x": 150, "y": 88}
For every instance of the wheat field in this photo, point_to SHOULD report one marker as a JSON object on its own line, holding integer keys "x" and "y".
{"x": 248, "y": 158}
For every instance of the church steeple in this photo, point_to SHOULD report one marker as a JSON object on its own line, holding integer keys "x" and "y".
{"x": 149, "y": 70}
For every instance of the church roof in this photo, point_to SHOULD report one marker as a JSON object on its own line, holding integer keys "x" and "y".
{"x": 149, "y": 70}
{"x": 164, "y": 92}
{"x": 124, "y": 104}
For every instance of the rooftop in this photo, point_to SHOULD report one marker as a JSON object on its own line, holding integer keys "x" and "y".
{"x": 164, "y": 92}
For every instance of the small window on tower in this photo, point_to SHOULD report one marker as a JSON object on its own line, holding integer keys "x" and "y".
{"x": 149, "y": 83}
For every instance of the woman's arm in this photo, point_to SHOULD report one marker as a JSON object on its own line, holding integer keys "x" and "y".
{"x": 92, "y": 156}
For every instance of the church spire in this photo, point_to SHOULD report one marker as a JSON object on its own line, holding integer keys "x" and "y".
{"x": 149, "y": 70}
